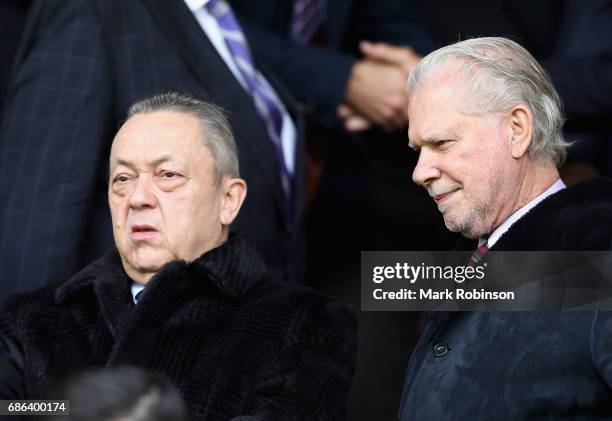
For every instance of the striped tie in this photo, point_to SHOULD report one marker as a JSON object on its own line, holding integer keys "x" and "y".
{"x": 308, "y": 18}
{"x": 478, "y": 255}
{"x": 266, "y": 101}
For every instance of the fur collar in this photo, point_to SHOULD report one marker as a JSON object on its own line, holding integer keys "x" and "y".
{"x": 233, "y": 268}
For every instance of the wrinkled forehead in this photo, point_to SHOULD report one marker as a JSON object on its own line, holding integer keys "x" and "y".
{"x": 159, "y": 133}
{"x": 179, "y": 150}
{"x": 434, "y": 103}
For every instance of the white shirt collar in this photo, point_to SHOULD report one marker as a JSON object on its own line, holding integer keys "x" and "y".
{"x": 501, "y": 230}
{"x": 136, "y": 288}
{"x": 195, "y": 4}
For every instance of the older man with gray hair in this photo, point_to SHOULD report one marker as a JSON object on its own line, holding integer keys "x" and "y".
{"x": 180, "y": 295}
{"x": 486, "y": 122}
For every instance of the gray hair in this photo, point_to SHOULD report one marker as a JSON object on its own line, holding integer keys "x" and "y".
{"x": 502, "y": 75}
{"x": 217, "y": 133}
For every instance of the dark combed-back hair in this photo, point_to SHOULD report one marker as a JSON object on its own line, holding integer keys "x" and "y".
{"x": 217, "y": 133}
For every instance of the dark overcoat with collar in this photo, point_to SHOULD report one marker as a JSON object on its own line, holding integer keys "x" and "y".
{"x": 523, "y": 365}
{"x": 231, "y": 340}
{"x": 80, "y": 65}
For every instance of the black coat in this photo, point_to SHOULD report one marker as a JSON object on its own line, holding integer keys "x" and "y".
{"x": 233, "y": 341}
{"x": 80, "y": 65}
{"x": 523, "y": 365}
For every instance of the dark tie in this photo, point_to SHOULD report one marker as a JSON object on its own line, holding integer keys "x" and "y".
{"x": 266, "y": 101}
{"x": 478, "y": 254}
{"x": 308, "y": 19}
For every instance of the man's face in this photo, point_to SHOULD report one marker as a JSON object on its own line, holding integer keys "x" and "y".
{"x": 163, "y": 199}
{"x": 465, "y": 161}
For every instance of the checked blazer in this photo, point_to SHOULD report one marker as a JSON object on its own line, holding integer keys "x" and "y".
{"x": 80, "y": 65}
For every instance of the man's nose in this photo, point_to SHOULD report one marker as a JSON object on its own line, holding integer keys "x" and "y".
{"x": 426, "y": 169}
{"x": 143, "y": 195}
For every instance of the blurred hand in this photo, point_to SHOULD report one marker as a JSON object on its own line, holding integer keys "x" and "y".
{"x": 403, "y": 57}
{"x": 376, "y": 91}
{"x": 353, "y": 122}
{"x": 390, "y": 114}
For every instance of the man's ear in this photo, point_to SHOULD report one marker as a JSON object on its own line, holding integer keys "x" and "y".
{"x": 521, "y": 124}
{"x": 234, "y": 192}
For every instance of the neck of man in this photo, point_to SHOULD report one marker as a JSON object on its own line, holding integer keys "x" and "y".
{"x": 143, "y": 276}
{"x": 140, "y": 277}
{"x": 535, "y": 178}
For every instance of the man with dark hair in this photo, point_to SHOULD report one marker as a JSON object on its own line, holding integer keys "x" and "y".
{"x": 486, "y": 122}
{"x": 181, "y": 296}
{"x": 79, "y": 67}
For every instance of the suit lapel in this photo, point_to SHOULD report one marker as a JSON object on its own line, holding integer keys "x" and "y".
{"x": 185, "y": 34}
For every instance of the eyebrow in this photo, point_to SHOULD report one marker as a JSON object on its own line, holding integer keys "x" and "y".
{"x": 434, "y": 138}
{"x": 428, "y": 139}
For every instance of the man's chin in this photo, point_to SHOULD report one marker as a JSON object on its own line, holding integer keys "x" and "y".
{"x": 147, "y": 261}
{"x": 148, "y": 266}
{"x": 467, "y": 230}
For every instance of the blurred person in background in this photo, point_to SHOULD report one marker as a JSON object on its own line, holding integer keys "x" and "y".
{"x": 346, "y": 63}
{"x": 121, "y": 393}
{"x": 12, "y": 21}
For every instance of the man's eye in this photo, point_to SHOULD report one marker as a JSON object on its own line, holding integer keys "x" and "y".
{"x": 169, "y": 174}
{"x": 121, "y": 178}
